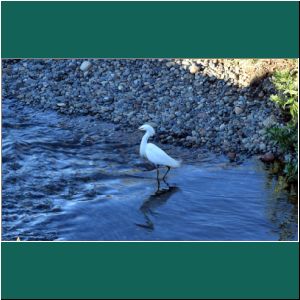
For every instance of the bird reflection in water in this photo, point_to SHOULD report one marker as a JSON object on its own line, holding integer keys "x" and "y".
{"x": 159, "y": 198}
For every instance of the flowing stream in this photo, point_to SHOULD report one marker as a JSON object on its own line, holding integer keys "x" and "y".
{"x": 78, "y": 178}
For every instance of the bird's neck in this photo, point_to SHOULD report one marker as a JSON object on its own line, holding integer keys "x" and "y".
{"x": 144, "y": 144}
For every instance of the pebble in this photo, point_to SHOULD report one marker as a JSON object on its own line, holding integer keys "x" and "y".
{"x": 238, "y": 110}
{"x": 231, "y": 155}
{"x": 193, "y": 69}
{"x": 262, "y": 146}
{"x": 268, "y": 157}
{"x": 85, "y": 66}
{"x": 222, "y": 126}
{"x": 269, "y": 121}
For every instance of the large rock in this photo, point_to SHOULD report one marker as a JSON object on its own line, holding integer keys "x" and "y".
{"x": 85, "y": 66}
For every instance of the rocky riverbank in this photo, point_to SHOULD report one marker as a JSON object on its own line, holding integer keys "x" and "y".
{"x": 222, "y": 105}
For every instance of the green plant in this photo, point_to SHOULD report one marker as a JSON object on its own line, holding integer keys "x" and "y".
{"x": 291, "y": 170}
{"x": 287, "y": 97}
{"x": 286, "y": 136}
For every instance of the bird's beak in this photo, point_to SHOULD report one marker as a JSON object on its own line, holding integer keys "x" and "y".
{"x": 140, "y": 128}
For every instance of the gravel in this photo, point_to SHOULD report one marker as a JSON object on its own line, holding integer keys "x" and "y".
{"x": 212, "y": 103}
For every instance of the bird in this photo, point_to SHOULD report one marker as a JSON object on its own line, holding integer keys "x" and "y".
{"x": 154, "y": 154}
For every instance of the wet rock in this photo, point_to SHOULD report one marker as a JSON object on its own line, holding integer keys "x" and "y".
{"x": 268, "y": 157}
{"x": 62, "y": 104}
{"x": 231, "y": 155}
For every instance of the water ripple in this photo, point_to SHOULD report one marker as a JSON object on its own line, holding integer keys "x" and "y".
{"x": 77, "y": 178}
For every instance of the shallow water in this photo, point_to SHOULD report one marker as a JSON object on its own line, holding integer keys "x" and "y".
{"x": 77, "y": 178}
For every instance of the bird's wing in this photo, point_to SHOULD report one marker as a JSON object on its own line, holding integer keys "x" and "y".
{"x": 160, "y": 157}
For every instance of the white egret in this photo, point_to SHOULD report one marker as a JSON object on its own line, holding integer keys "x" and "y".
{"x": 154, "y": 154}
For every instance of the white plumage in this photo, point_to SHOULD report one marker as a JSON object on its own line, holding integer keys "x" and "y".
{"x": 160, "y": 157}
{"x": 153, "y": 153}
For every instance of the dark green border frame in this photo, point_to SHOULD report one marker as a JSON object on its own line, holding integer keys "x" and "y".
{"x": 150, "y": 270}
{"x": 150, "y": 29}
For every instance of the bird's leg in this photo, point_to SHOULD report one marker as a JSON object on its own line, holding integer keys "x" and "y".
{"x": 158, "y": 186}
{"x": 166, "y": 173}
{"x": 157, "y": 174}
{"x": 166, "y": 184}
{"x": 157, "y": 178}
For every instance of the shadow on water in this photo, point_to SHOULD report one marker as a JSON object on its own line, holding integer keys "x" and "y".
{"x": 159, "y": 198}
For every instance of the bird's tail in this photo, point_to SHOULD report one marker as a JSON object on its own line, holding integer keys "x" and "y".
{"x": 177, "y": 163}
